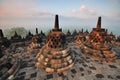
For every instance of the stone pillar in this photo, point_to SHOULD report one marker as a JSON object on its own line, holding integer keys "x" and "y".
{"x": 56, "y": 25}
{"x": 1, "y": 34}
{"x": 99, "y": 23}
{"x": 36, "y": 31}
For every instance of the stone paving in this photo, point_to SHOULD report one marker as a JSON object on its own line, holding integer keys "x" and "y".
{"x": 84, "y": 69}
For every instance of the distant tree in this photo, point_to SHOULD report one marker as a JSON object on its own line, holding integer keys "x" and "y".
{"x": 20, "y": 31}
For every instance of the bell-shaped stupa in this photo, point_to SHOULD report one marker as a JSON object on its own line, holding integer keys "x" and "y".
{"x": 55, "y": 56}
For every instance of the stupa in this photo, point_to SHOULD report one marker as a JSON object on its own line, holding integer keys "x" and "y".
{"x": 55, "y": 56}
{"x": 16, "y": 37}
{"x": 36, "y": 41}
{"x": 99, "y": 37}
{"x": 69, "y": 37}
{"x": 29, "y": 36}
{"x": 98, "y": 44}
{"x": 3, "y": 40}
{"x": 82, "y": 37}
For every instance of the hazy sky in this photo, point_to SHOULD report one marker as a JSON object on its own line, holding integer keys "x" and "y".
{"x": 77, "y": 13}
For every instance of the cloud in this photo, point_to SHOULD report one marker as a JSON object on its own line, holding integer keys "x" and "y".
{"x": 41, "y": 14}
{"x": 23, "y": 12}
{"x": 83, "y": 8}
{"x": 84, "y": 12}
{"x": 21, "y": 8}
{"x": 116, "y": 1}
{"x": 13, "y": 8}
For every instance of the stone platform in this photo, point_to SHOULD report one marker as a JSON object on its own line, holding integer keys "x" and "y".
{"x": 84, "y": 69}
{"x": 55, "y": 61}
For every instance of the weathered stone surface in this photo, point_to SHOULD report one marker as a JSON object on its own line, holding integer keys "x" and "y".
{"x": 118, "y": 76}
{"x": 97, "y": 43}
{"x": 99, "y": 76}
{"x": 112, "y": 66}
{"x": 55, "y": 57}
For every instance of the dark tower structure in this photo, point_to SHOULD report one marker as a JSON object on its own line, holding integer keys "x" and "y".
{"x": 1, "y": 54}
{"x": 15, "y": 35}
{"x": 3, "y": 40}
{"x": 56, "y": 25}
{"x": 55, "y": 57}
{"x": 36, "y": 31}
{"x": 99, "y": 23}
{"x": 16, "y": 38}
{"x": 1, "y": 34}
{"x": 29, "y": 36}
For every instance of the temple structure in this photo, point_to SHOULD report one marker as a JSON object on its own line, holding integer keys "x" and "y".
{"x": 97, "y": 43}
{"x": 29, "y": 36}
{"x": 1, "y": 54}
{"x": 55, "y": 56}
{"x": 36, "y": 31}
{"x": 40, "y": 35}
{"x": 118, "y": 39}
{"x": 68, "y": 33}
{"x": 8, "y": 65}
{"x": 36, "y": 40}
{"x": 98, "y": 34}
{"x": 74, "y": 34}
{"x": 82, "y": 36}
{"x": 1, "y": 34}
{"x": 16, "y": 38}
{"x": 69, "y": 37}
{"x": 3, "y": 40}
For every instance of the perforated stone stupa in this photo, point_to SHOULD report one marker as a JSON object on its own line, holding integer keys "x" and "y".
{"x": 99, "y": 44}
{"x": 55, "y": 56}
